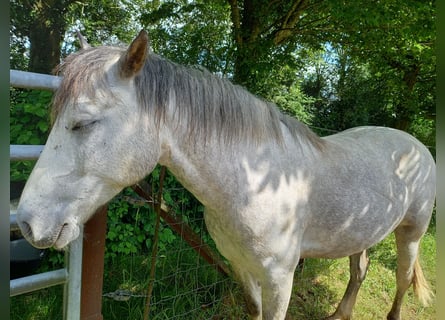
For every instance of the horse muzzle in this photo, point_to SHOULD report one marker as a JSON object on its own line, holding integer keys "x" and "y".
{"x": 45, "y": 236}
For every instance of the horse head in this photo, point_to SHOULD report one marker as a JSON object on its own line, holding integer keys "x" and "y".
{"x": 99, "y": 143}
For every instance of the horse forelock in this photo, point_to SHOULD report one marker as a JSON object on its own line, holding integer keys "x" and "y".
{"x": 83, "y": 73}
{"x": 205, "y": 104}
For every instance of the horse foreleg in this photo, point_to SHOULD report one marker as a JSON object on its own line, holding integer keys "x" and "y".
{"x": 252, "y": 293}
{"x": 276, "y": 292}
{"x": 358, "y": 266}
{"x": 267, "y": 297}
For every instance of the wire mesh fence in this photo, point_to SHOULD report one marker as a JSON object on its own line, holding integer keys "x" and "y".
{"x": 185, "y": 285}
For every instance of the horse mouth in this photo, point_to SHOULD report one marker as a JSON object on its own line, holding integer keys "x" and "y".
{"x": 67, "y": 233}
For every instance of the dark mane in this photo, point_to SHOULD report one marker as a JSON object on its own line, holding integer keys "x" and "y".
{"x": 204, "y": 104}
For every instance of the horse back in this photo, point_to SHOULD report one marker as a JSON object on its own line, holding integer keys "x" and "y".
{"x": 368, "y": 181}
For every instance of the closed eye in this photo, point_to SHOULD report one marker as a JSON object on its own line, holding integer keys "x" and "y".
{"x": 83, "y": 125}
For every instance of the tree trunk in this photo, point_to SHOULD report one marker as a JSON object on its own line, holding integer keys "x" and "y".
{"x": 46, "y": 35}
{"x": 405, "y": 108}
{"x": 246, "y": 30}
{"x": 256, "y": 35}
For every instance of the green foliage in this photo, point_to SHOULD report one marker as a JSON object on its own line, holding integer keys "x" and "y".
{"x": 102, "y": 21}
{"x": 130, "y": 226}
{"x": 268, "y": 46}
{"x": 396, "y": 39}
{"x": 29, "y": 116}
{"x": 131, "y": 221}
{"x": 52, "y": 260}
{"x": 191, "y": 33}
{"x": 29, "y": 124}
{"x": 424, "y": 129}
{"x": 344, "y": 92}
{"x": 293, "y": 101}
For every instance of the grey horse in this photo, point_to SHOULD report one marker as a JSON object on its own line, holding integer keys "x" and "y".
{"x": 274, "y": 191}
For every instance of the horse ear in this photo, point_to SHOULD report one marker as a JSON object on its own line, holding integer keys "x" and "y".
{"x": 83, "y": 42}
{"x": 134, "y": 58}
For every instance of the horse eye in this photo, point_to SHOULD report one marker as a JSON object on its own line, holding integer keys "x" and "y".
{"x": 83, "y": 125}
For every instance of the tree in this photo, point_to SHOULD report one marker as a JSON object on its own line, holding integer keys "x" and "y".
{"x": 191, "y": 33}
{"x": 44, "y": 24}
{"x": 260, "y": 27}
{"x": 346, "y": 93}
{"x": 395, "y": 38}
{"x": 263, "y": 45}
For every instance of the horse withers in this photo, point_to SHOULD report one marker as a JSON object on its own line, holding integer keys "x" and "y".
{"x": 274, "y": 191}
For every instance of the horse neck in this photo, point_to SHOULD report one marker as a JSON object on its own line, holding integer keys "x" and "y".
{"x": 204, "y": 169}
{"x": 217, "y": 172}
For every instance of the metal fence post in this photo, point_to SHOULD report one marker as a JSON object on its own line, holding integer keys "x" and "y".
{"x": 72, "y": 291}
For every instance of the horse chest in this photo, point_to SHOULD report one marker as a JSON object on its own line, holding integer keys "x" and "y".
{"x": 227, "y": 235}
{"x": 253, "y": 236}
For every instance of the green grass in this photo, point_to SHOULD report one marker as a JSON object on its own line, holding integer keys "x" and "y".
{"x": 320, "y": 287}
{"x": 186, "y": 287}
{"x": 44, "y": 304}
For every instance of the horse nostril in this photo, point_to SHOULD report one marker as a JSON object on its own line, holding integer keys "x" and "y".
{"x": 26, "y": 230}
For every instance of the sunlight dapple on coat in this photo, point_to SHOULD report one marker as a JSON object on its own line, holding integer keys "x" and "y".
{"x": 274, "y": 191}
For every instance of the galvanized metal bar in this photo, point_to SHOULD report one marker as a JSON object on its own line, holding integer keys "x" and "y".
{"x": 31, "y": 80}
{"x": 37, "y": 282}
{"x": 24, "y": 152}
{"x": 71, "y": 307}
{"x": 13, "y": 226}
